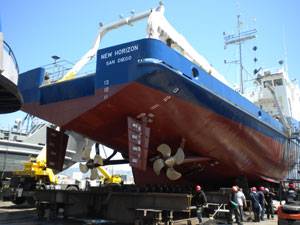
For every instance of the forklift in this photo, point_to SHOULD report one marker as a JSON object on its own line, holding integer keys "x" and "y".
{"x": 289, "y": 212}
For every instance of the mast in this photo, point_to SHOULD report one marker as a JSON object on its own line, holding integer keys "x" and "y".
{"x": 239, "y": 39}
{"x": 240, "y": 55}
{"x": 1, "y": 49}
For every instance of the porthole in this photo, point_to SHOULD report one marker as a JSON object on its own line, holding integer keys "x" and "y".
{"x": 259, "y": 113}
{"x": 195, "y": 72}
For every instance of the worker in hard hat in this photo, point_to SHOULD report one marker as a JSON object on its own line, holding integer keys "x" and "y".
{"x": 256, "y": 207}
{"x": 241, "y": 199}
{"x": 269, "y": 203}
{"x": 261, "y": 200}
{"x": 291, "y": 194}
{"x": 234, "y": 206}
{"x": 199, "y": 199}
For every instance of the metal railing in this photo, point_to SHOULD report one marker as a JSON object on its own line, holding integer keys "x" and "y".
{"x": 11, "y": 54}
{"x": 56, "y": 71}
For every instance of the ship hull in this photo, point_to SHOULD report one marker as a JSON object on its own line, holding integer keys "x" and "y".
{"x": 10, "y": 97}
{"x": 216, "y": 122}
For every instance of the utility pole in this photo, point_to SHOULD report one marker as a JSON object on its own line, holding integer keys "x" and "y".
{"x": 239, "y": 39}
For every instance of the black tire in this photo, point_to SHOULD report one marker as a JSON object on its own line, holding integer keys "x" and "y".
{"x": 53, "y": 214}
{"x": 31, "y": 201}
{"x": 40, "y": 211}
{"x": 19, "y": 200}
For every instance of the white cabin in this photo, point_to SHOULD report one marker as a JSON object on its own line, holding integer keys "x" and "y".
{"x": 276, "y": 93}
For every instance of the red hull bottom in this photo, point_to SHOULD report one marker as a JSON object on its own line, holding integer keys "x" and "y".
{"x": 235, "y": 150}
{"x": 238, "y": 150}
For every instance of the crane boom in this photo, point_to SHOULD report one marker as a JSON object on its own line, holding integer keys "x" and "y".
{"x": 158, "y": 28}
{"x": 90, "y": 54}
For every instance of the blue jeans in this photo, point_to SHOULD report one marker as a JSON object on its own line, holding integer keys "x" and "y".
{"x": 262, "y": 213}
{"x": 199, "y": 213}
{"x": 237, "y": 215}
{"x": 241, "y": 211}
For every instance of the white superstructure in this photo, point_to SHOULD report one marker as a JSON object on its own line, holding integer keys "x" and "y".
{"x": 278, "y": 96}
{"x": 287, "y": 93}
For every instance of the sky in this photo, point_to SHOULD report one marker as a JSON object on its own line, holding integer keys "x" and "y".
{"x": 37, "y": 30}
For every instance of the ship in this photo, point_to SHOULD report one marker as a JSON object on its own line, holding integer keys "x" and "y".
{"x": 10, "y": 97}
{"x": 170, "y": 114}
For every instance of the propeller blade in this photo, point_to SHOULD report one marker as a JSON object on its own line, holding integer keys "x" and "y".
{"x": 83, "y": 168}
{"x": 179, "y": 156}
{"x": 173, "y": 174}
{"x": 85, "y": 154}
{"x": 165, "y": 150}
{"x": 87, "y": 148}
{"x": 158, "y": 165}
{"x": 98, "y": 160}
{"x": 170, "y": 162}
{"x": 94, "y": 174}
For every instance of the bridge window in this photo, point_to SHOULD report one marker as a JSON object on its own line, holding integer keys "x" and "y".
{"x": 268, "y": 83}
{"x": 278, "y": 82}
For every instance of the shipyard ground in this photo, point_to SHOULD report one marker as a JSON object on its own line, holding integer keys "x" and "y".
{"x": 11, "y": 214}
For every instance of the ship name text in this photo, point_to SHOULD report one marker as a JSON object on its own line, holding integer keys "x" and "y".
{"x": 119, "y": 53}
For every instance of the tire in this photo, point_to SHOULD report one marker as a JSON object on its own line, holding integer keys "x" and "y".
{"x": 30, "y": 201}
{"x": 40, "y": 211}
{"x": 53, "y": 214}
{"x": 19, "y": 200}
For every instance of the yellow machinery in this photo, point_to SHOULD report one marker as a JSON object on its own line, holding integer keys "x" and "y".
{"x": 37, "y": 168}
{"x": 109, "y": 179}
{"x": 36, "y": 175}
{"x": 23, "y": 183}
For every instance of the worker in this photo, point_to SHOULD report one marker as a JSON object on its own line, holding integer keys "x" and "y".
{"x": 269, "y": 203}
{"x": 200, "y": 200}
{"x": 261, "y": 200}
{"x": 241, "y": 199}
{"x": 256, "y": 208}
{"x": 233, "y": 206}
{"x": 47, "y": 79}
{"x": 291, "y": 194}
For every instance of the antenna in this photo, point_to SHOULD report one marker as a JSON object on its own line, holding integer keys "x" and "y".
{"x": 55, "y": 58}
{"x": 239, "y": 39}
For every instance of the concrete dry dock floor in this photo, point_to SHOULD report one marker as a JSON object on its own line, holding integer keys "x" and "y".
{"x": 11, "y": 214}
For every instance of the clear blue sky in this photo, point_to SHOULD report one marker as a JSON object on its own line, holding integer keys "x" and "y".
{"x": 36, "y": 30}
